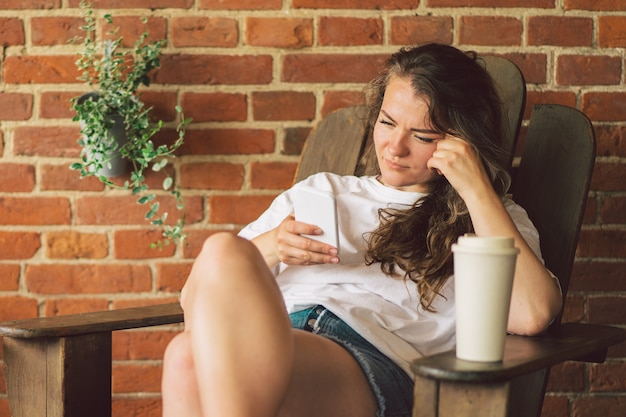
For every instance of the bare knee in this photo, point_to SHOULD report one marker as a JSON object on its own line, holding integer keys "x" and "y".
{"x": 220, "y": 255}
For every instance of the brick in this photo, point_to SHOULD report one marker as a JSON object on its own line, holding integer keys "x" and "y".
{"x": 17, "y": 308}
{"x": 34, "y": 210}
{"x": 131, "y": 28}
{"x": 350, "y": 31}
{"x": 46, "y": 141}
{"x": 228, "y": 142}
{"x": 607, "y": 377}
{"x": 560, "y": 31}
{"x": 567, "y": 377}
{"x": 555, "y": 406}
{"x": 610, "y": 140}
{"x": 136, "y": 407}
{"x": 212, "y": 176}
{"x": 593, "y": 406}
{"x": 30, "y": 4}
{"x": 598, "y": 276}
{"x": 503, "y": 30}
{"x": 272, "y": 175}
{"x": 283, "y": 105}
{"x": 162, "y": 104}
{"x": 604, "y": 106}
{"x": 288, "y": 33}
{"x": 215, "y": 107}
{"x": 605, "y": 242}
{"x": 136, "y": 244}
{"x": 240, "y": 4}
{"x": 9, "y": 274}
{"x": 135, "y": 378}
{"x": 172, "y": 276}
{"x": 19, "y": 245}
{"x": 61, "y": 177}
{"x": 56, "y": 105}
{"x": 142, "y": 302}
{"x": 539, "y": 4}
{"x": 534, "y": 67}
{"x": 92, "y": 209}
{"x": 334, "y": 100}
{"x": 612, "y": 5}
{"x": 17, "y": 177}
{"x": 16, "y": 106}
{"x": 11, "y": 31}
{"x": 356, "y": 4}
{"x": 57, "y": 30}
{"x": 414, "y": 30}
{"x": 186, "y": 69}
{"x": 4, "y": 405}
{"x": 613, "y": 210}
{"x": 331, "y": 68}
{"x": 137, "y": 4}
{"x": 219, "y": 32}
{"x": 611, "y": 31}
{"x": 294, "y": 140}
{"x": 43, "y": 69}
{"x": 231, "y": 209}
{"x": 607, "y": 310}
{"x": 588, "y": 70}
{"x": 608, "y": 176}
{"x": 142, "y": 344}
{"x": 63, "y": 306}
{"x": 76, "y": 245}
{"x": 89, "y": 278}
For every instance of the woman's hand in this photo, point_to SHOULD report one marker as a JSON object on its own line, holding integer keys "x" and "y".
{"x": 286, "y": 244}
{"x": 459, "y": 162}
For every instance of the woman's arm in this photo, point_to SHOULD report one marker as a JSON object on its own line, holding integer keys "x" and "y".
{"x": 536, "y": 298}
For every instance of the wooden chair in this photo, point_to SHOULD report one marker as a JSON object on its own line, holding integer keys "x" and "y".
{"x": 61, "y": 366}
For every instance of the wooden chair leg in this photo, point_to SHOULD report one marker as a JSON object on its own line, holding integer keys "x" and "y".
{"x": 460, "y": 399}
{"x": 60, "y": 377}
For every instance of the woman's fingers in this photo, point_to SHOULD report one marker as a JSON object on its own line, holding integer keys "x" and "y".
{"x": 294, "y": 248}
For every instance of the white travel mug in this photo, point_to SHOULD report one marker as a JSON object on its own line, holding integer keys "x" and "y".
{"x": 483, "y": 280}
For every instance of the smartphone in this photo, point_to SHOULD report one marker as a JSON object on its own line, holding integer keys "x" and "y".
{"x": 318, "y": 207}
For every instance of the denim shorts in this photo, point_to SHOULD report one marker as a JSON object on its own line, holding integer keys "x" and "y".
{"x": 391, "y": 385}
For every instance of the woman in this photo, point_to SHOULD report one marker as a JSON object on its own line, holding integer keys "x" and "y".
{"x": 277, "y": 324}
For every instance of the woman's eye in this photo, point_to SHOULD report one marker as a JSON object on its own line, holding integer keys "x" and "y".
{"x": 385, "y": 122}
{"x": 425, "y": 140}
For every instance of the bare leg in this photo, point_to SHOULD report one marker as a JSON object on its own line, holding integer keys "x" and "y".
{"x": 239, "y": 330}
{"x": 179, "y": 387}
{"x": 241, "y": 350}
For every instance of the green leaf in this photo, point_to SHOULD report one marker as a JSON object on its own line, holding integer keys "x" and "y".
{"x": 167, "y": 183}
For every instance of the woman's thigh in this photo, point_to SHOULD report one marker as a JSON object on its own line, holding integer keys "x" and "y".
{"x": 326, "y": 381}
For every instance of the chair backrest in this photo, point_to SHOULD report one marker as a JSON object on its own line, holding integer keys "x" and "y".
{"x": 553, "y": 179}
{"x": 338, "y": 143}
{"x": 552, "y": 183}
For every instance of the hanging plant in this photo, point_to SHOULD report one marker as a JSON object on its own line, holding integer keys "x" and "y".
{"x": 116, "y": 129}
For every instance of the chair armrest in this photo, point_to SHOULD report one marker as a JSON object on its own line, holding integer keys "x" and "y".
{"x": 523, "y": 355}
{"x": 96, "y": 322}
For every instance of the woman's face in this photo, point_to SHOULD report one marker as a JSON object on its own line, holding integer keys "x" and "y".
{"x": 404, "y": 138}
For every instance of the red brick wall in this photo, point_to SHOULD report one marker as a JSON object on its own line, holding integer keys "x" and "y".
{"x": 256, "y": 75}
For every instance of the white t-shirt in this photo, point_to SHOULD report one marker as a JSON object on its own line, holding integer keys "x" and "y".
{"x": 384, "y": 310}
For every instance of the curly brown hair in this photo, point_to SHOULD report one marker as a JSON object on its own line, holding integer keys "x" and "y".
{"x": 463, "y": 101}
